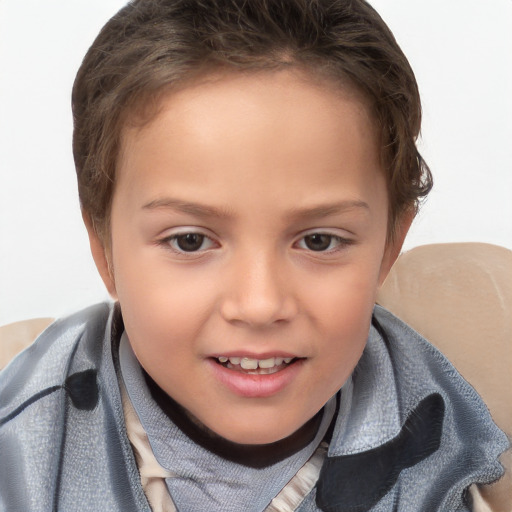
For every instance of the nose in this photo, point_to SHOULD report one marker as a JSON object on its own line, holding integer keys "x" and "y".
{"x": 257, "y": 292}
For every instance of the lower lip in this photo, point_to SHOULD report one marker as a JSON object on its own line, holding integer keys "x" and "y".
{"x": 255, "y": 386}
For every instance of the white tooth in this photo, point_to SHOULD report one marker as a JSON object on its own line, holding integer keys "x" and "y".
{"x": 278, "y": 361}
{"x": 223, "y": 359}
{"x": 267, "y": 363}
{"x": 268, "y": 371}
{"x": 249, "y": 364}
{"x": 288, "y": 360}
{"x": 234, "y": 360}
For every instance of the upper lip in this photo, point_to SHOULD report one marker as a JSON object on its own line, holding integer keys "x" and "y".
{"x": 253, "y": 355}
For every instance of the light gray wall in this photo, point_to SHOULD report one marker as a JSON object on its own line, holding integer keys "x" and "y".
{"x": 460, "y": 50}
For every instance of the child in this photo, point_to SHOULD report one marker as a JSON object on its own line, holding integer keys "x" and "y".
{"x": 247, "y": 172}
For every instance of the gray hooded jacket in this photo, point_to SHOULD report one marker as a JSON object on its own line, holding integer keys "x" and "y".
{"x": 410, "y": 435}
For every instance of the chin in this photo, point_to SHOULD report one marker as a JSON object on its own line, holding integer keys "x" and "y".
{"x": 255, "y": 438}
{"x": 253, "y": 433}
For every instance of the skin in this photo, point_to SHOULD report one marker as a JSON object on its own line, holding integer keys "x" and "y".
{"x": 255, "y": 163}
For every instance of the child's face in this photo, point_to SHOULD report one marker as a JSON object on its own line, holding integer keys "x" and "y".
{"x": 249, "y": 220}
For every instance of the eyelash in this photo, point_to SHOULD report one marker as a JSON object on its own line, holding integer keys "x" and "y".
{"x": 171, "y": 242}
{"x": 340, "y": 242}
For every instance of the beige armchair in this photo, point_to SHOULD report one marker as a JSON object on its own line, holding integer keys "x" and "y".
{"x": 18, "y": 335}
{"x": 459, "y": 296}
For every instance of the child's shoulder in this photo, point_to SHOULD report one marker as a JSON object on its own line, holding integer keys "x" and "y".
{"x": 419, "y": 368}
{"x": 410, "y": 427}
{"x": 61, "y": 422}
{"x": 46, "y": 361}
{"x": 63, "y": 360}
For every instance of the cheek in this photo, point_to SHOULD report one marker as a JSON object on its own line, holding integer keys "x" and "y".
{"x": 164, "y": 309}
{"x": 343, "y": 298}
{"x": 145, "y": 276}
{"x": 343, "y": 311}
{"x": 345, "y": 336}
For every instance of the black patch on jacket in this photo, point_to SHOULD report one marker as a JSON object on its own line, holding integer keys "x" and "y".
{"x": 355, "y": 483}
{"x": 82, "y": 388}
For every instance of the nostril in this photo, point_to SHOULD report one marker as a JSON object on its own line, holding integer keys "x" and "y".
{"x": 258, "y": 313}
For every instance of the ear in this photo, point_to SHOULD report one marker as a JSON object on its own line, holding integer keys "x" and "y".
{"x": 394, "y": 246}
{"x": 101, "y": 255}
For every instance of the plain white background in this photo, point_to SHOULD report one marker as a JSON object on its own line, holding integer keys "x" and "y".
{"x": 459, "y": 49}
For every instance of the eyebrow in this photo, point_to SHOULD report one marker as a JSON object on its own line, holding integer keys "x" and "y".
{"x": 326, "y": 210}
{"x": 200, "y": 210}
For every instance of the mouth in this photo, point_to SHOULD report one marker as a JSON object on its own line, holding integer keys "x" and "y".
{"x": 253, "y": 366}
{"x": 250, "y": 376}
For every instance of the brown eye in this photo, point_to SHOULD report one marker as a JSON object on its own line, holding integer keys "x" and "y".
{"x": 189, "y": 242}
{"x": 318, "y": 242}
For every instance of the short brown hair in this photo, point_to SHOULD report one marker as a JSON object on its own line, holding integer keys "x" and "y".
{"x": 152, "y": 45}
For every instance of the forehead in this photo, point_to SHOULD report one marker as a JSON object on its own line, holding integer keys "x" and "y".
{"x": 283, "y": 126}
{"x": 205, "y": 90}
